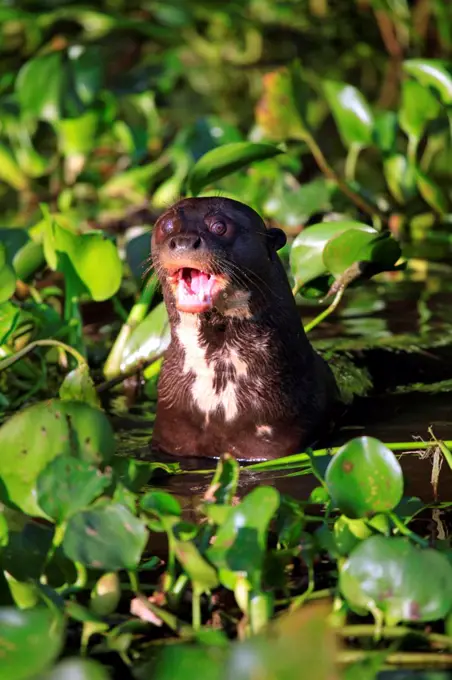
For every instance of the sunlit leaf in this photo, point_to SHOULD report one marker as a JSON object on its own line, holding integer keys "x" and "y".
{"x": 39, "y": 85}
{"x": 106, "y": 594}
{"x": 432, "y": 193}
{"x": 351, "y": 112}
{"x": 79, "y": 386}
{"x": 150, "y": 338}
{"x": 433, "y": 73}
{"x": 418, "y": 107}
{"x": 391, "y": 575}
{"x": 10, "y": 171}
{"x": 226, "y": 159}
{"x": 364, "y": 478}
{"x": 400, "y": 176}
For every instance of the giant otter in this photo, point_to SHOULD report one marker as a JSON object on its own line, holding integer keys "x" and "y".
{"x": 240, "y": 375}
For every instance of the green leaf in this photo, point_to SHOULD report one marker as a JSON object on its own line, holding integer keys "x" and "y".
{"x": 78, "y": 669}
{"x": 281, "y": 112}
{"x": 400, "y": 175}
{"x": 67, "y": 485}
{"x": 390, "y": 575}
{"x": 433, "y": 73}
{"x": 223, "y": 486}
{"x": 31, "y": 640}
{"x": 385, "y": 131}
{"x": 10, "y": 171}
{"x": 202, "y": 575}
{"x": 240, "y": 542}
{"x": 7, "y": 277}
{"x": 364, "y": 478}
{"x": 79, "y": 386}
{"x": 39, "y": 86}
{"x": 78, "y": 257}
{"x": 78, "y": 135}
{"x": 351, "y": 112}
{"x": 432, "y": 193}
{"x": 106, "y": 594}
{"x": 161, "y": 503}
{"x": 418, "y": 107}
{"x": 226, "y": 159}
{"x": 106, "y": 537}
{"x": 346, "y": 249}
{"x": 33, "y": 437}
{"x": 150, "y": 338}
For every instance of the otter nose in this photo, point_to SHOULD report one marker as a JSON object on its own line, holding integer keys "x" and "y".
{"x": 185, "y": 242}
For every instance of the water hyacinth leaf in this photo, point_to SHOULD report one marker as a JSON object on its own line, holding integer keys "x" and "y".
{"x": 33, "y": 437}
{"x": 87, "y": 66}
{"x": 67, "y": 485}
{"x": 395, "y": 587}
{"x": 432, "y": 193}
{"x": 223, "y": 486}
{"x": 400, "y": 176}
{"x": 364, "y": 478}
{"x": 78, "y": 256}
{"x": 31, "y": 641}
{"x": 106, "y": 537}
{"x": 25, "y": 555}
{"x": 10, "y": 171}
{"x": 241, "y": 540}
{"x": 78, "y": 135}
{"x": 106, "y": 594}
{"x": 307, "y": 253}
{"x": 79, "y": 386}
{"x": 202, "y": 574}
{"x": 281, "y": 112}
{"x": 348, "y": 533}
{"x": 78, "y": 669}
{"x": 418, "y": 107}
{"x": 12, "y": 241}
{"x": 432, "y": 73}
{"x": 352, "y": 113}
{"x": 161, "y": 503}
{"x": 149, "y": 339}
{"x": 345, "y": 249}
{"x": 39, "y": 86}
{"x": 226, "y": 159}
{"x": 7, "y": 277}
{"x": 28, "y": 260}
{"x": 385, "y": 131}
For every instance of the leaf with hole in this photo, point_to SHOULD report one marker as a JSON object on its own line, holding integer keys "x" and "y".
{"x": 226, "y": 159}
{"x": 364, "y": 478}
{"x": 106, "y": 537}
{"x": 387, "y": 575}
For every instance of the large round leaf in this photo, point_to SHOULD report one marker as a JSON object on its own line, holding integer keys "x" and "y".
{"x": 404, "y": 582}
{"x": 30, "y": 439}
{"x": 78, "y": 669}
{"x": 106, "y": 537}
{"x": 346, "y": 249}
{"x": 364, "y": 478}
{"x": 226, "y": 159}
{"x": 30, "y": 641}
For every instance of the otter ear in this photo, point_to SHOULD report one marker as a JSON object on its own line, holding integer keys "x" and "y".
{"x": 276, "y": 238}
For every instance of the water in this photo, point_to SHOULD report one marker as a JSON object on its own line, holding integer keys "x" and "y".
{"x": 401, "y": 329}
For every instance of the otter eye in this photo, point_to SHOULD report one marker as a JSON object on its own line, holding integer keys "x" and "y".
{"x": 219, "y": 228}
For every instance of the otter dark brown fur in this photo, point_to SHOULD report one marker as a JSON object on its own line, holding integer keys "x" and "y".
{"x": 240, "y": 375}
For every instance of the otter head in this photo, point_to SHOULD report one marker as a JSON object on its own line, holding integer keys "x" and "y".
{"x": 213, "y": 254}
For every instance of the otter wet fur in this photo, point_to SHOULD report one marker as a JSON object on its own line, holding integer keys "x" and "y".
{"x": 240, "y": 375}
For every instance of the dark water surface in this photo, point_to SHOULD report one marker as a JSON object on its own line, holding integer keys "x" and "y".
{"x": 401, "y": 329}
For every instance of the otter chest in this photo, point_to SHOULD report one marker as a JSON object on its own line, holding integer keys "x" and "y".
{"x": 219, "y": 377}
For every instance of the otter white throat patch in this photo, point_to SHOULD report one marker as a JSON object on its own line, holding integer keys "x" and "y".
{"x": 208, "y": 393}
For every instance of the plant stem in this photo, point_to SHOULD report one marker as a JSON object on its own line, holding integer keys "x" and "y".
{"x": 134, "y": 582}
{"x": 351, "y": 161}
{"x": 412, "y": 149}
{"x": 406, "y": 532}
{"x": 196, "y": 609}
{"x": 393, "y": 633}
{"x": 423, "y": 659}
{"x": 136, "y": 315}
{"x": 328, "y": 171}
{"x": 326, "y": 312}
{"x": 41, "y": 343}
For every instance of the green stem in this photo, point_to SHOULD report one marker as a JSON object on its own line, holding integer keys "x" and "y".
{"x": 412, "y": 149}
{"x": 82, "y": 575}
{"x": 326, "y": 312}
{"x": 134, "y": 582}
{"x": 393, "y": 633}
{"x": 196, "y": 609}
{"x": 351, "y": 161}
{"x": 423, "y": 659}
{"x": 136, "y": 315}
{"x": 406, "y": 532}
{"x": 301, "y": 458}
{"x": 443, "y": 447}
{"x": 301, "y": 599}
{"x": 328, "y": 171}
{"x": 73, "y": 319}
{"x": 41, "y": 343}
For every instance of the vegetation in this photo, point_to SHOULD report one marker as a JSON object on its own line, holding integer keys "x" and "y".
{"x": 333, "y": 120}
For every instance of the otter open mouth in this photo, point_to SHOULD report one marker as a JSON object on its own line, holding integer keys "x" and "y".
{"x": 196, "y": 290}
